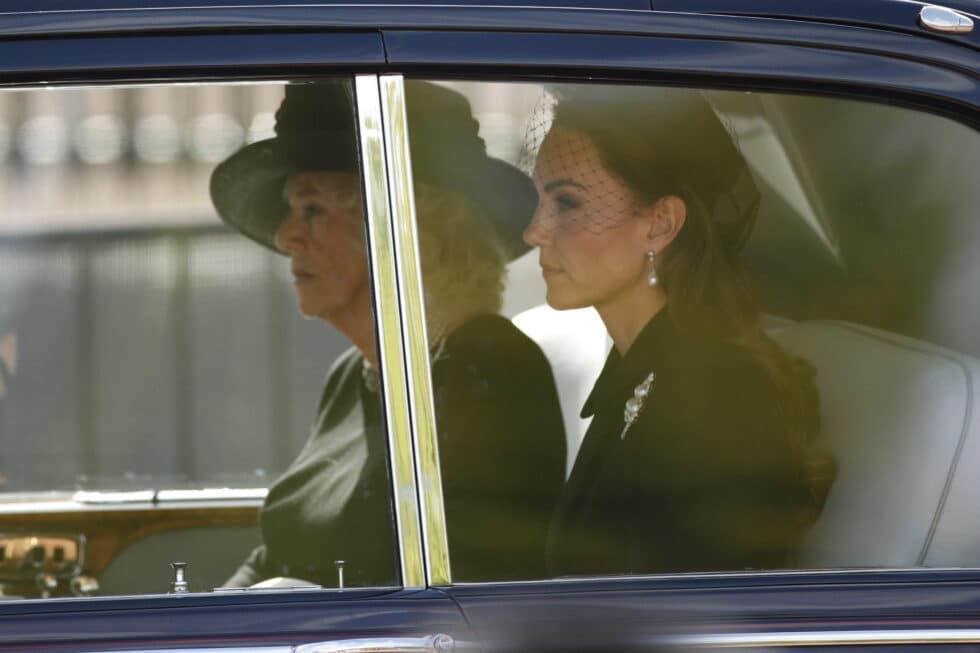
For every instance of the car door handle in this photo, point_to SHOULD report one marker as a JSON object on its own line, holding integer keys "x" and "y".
{"x": 431, "y": 644}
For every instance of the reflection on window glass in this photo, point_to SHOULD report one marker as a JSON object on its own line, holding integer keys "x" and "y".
{"x": 157, "y": 368}
{"x": 327, "y": 520}
{"x": 502, "y": 445}
{"x": 760, "y": 315}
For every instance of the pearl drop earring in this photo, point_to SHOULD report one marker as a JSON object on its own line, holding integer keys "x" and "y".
{"x": 652, "y": 274}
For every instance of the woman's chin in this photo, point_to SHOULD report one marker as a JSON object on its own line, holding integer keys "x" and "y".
{"x": 564, "y": 301}
{"x": 308, "y": 308}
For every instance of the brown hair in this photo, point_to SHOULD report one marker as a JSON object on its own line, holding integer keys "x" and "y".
{"x": 462, "y": 259}
{"x": 672, "y": 149}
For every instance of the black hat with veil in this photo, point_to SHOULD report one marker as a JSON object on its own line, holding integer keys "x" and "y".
{"x": 668, "y": 141}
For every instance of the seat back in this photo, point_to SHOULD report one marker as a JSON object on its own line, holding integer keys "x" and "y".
{"x": 576, "y": 344}
{"x": 901, "y": 417}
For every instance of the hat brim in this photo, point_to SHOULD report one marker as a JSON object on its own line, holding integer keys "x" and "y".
{"x": 246, "y": 190}
{"x": 503, "y": 194}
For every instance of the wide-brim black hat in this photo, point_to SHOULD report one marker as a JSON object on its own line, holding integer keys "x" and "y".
{"x": 315, "y": 130}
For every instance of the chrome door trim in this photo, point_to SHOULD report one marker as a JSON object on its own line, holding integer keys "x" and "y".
{"x": 212, "y": 494}
{"x": 445, "y": 644}
{"x": 389, "y": 318}
{"x": 430, "y": 644}
{"x": 232, "y": 649}
{"x": 434, "y": 539}
{"x": 828, "y": 638}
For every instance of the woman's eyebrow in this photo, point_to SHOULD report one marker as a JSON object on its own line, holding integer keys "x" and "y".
{"x": 300, "y": 195}
{"x": 557, "y": 183}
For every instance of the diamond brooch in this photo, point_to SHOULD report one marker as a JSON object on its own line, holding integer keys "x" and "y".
{"x": 635, "y": 403}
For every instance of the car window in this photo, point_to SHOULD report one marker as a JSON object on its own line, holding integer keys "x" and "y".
{"x": 690, "y": 330}
{"x": 187, "y": 345}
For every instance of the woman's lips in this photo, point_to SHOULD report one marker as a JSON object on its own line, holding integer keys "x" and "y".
{"x": 549, "y": 271}
{"x": 300, "y": 277}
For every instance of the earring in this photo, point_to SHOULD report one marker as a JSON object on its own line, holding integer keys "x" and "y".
{"x": 652, "y": 274}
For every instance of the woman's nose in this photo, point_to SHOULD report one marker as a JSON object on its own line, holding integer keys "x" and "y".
{"x": 538, "y": 232}
{"x": 288, "y": 234}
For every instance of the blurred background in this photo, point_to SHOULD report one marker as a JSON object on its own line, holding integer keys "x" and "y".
{"x": 155, "y": 348}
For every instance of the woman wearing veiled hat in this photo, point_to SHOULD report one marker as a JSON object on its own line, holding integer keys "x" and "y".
{"x": 700, "y": 453}
{"x": 501, "y": 441}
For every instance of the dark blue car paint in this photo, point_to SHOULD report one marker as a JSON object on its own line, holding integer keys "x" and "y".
{"x": 828, "y": 56}
{"x": 629, "y": 612}
{"x": 876, "y": 13}
{"x": 608, "y": 20}
{"x": 45, "y": 58}
{"x": 896, "y": 64}
{"x": 225, "y": 619}
{"x": 61, "y": 5}
{"x": 700, "y": 62}
{"x": 624, "y": 612}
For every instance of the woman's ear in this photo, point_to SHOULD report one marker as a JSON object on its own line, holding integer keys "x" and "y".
{"x": 664, "y": 219}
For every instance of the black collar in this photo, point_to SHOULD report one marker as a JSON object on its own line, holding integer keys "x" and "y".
{"x": 621, "y": 374}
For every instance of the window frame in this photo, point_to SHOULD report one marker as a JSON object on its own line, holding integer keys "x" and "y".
{"x": 385, "y": 279}
{"x": 811, "y": 55}
{"x": 939, "y": 85}
{"x": 852, "y": 597}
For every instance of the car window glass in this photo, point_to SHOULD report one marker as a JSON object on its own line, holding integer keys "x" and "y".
{"x": 187, "y": 342}
{"x": 689, "y": 330}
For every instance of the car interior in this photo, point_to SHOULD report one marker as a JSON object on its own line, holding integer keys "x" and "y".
{"x": 864, "y": 257}
{"x": 854, "y": 255}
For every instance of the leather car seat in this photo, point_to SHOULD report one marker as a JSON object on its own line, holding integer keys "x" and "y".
{"x": 901, "y": 416}
{"x": 576, "y": 344}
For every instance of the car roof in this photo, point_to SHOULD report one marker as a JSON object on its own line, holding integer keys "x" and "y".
{"x": 71, "y": 17}
{"x": 801, "y": 8}
{"x": 27, "y": 6}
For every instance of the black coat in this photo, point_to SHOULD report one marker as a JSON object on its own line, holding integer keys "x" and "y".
{"x": 705, "y": 479}
{"x": 502, "y": 457}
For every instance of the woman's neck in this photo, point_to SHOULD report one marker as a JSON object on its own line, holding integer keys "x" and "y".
{"x": 627, "y": 313}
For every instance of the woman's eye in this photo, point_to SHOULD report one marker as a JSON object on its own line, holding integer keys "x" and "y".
{"x": 311, "y": 211}
{"x": 566, "y": 203}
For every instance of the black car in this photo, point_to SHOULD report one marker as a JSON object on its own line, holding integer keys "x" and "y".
{"x": 157, "y": 383}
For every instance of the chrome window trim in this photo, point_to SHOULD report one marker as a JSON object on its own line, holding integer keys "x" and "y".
{"x": 773, "y": 574}
{"x": 414, "y": 332}
{"x": 232, "y": 649}
{"x": 828, "y": 638}
{"x": 432, "y": 644}
{"x": 445, "y": 644}
{"x": 381, "y": 237}
{"x": 95, "y": 501}
{"x": 211, "y": 494}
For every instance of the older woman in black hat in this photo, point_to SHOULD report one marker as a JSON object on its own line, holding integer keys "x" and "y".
{"x": 501, "y": 441}
{"x": 700, "y": 455}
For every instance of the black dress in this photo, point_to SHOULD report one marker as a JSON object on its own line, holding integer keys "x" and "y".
{"x": 502, "y": 457}
{"x": 706, "y": 478}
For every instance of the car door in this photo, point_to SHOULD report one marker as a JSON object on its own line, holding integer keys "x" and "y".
{"x": 865, "y": 235}
{"x": 905, "y": 602}
{"x": 157, "y": 374}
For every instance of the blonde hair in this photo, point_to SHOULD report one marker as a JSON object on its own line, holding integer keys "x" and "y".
{"x": 344, "y": 188}
{"x": 462, "y": 260}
